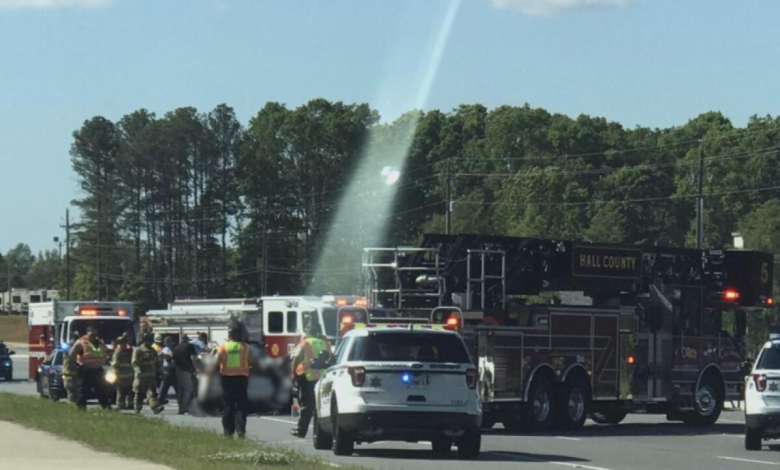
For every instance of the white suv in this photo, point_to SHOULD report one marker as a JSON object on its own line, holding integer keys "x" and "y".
{"x": 762, "y": 397}
{"x": 399, "y": 384}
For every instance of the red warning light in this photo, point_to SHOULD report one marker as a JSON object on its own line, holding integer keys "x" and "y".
{"x": 347, "y": 320}
{"x": 631, "y": 360}
{"x": 453, "y": 322}
{"x": 88, "y": 312}
{"x": 730, "y": 294}
{"x": 770, "y": 301}
{"x": 341, "y": 302}
{"x": 122, "y": 312}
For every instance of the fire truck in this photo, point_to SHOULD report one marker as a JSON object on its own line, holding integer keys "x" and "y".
{"x": 275, "y": 324}
{"x": 50, "y": 325}
{"x": 656, "y": 330}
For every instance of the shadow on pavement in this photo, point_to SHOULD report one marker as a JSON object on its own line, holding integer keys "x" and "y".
{"x": 489, "y": 456}
{"x": 637, "y": 429}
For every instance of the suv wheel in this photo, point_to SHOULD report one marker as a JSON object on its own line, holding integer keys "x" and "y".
{"x": 441, "y": 444}
{"x": 753, "y": 439}
{"x": 343, "y": 442}
{"x": 541, "y": 409}
{"x": 322, "y": 439}
{"x": 470, "y": 444}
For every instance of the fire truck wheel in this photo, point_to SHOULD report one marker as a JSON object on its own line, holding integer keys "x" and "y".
{"x": 609, "y": 417}
{"x": 322, "y": 439}
{"x": 573, "y": 403}
{"x": 541, "y": 406}
{"x": 707, "y": 403}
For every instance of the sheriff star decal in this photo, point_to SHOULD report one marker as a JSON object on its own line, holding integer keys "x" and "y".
{"x": 376, "y": 382}
{"x": 773, "y": 387}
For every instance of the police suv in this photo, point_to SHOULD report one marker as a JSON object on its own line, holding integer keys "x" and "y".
{"x": 404, "y": 383}
{"x": 762, "y": 396}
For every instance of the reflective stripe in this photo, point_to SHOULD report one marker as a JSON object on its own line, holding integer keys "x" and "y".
{"x": 92, "y": 357}
{"x": 312, "y": 349}
{"x": 122, "y": 363}
{"x": 234, "y": 359}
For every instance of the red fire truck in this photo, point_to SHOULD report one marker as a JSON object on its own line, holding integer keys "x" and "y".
{"x": 658, "y": 330}
{"x": 52, "y": 323}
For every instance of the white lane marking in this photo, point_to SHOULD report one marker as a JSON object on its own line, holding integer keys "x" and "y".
{"x": 730, "y": 421}
{"x": 763, "y": 462}
{"x": 554, "y": 462}
{"x": 279, "y": 420}
{"x": 568, "y": 438}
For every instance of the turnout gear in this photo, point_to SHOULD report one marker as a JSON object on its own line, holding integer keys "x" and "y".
{"x": 145, "y": 382}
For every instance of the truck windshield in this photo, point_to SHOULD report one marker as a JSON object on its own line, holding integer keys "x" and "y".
{"x": 329, "y": 320}
{"x": 108, "y": 330}
{"x": 401, "y": 347}
{"x": 770, "y": 359}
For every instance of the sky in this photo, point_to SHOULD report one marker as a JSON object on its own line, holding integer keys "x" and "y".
{"x": 654, "y": 63}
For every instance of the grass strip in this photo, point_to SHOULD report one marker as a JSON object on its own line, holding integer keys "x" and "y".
{"x": 150, "y": 439}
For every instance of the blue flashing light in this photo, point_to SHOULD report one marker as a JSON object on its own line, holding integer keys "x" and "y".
{"x": 64, "y": 346}
{"x": 406, "y": 378}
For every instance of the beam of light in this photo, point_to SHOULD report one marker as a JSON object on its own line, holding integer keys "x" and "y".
{"x": 364, "y": 213}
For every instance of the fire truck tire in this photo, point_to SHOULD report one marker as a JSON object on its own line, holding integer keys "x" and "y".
{"x": 609, "y": 417}
{"x": 707, "y": 403}
{"x": 322, "y": 440}
{"x": 541, "y": 408}
{"x": 343, "y": 442}
{"x": 753, "y": 439}
{"x": 573, "y": 403}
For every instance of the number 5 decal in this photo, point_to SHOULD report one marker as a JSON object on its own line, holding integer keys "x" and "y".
{"x": 764, "y": 272}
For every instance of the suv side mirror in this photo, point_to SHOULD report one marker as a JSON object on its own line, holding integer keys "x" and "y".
{"x": 11, "y": 353}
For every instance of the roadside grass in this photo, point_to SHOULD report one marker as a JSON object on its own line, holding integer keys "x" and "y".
{"x": 150, "y": 439}
{"x": 13, "y": 329}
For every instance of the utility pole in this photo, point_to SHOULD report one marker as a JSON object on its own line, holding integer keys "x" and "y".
{"x": 264, "y": 280}
{"x": 700, "y": 197}
{"x": 448, "y": 197}
{"x": 67, "y": 254}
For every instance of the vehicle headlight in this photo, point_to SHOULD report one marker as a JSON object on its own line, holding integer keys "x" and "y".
{"x": 8, "y": 363}
{"x": 110, "y": 377}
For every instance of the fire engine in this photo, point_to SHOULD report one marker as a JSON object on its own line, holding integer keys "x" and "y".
{"x": 52, "y": 323}
{"x": 660, "y": 330}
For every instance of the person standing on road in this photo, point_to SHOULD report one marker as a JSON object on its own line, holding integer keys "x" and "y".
{"x": 91, "y": 355}
{"x": 121, "y": 361}
{"x": 70, "y": 372}
{"x": 168, "y": 372}
{"x": 145, "y": 382}
{"x": 234, "y": 371}
{"x": 185, "y": 361}
{"x": 309, "y": 359}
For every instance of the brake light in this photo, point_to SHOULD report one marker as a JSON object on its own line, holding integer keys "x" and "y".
{"x": 358, "y": 375}
{"x": 760, "y": 381}
{"x": 471, "y": 378}
{"x": 730, "y": 294}
{"x": 121, "y": 312}
{"x": 88, "y": 312}
{"x": 631, "y": 360}
{"x": 341, "y": 302}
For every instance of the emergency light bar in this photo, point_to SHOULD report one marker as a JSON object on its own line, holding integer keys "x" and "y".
{"x": 88, "y": 312}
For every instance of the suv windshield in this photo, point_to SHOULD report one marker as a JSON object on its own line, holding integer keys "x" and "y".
{"x": 770, "y": 359}
{"x": 397, "y": 347}
{"x": 108, "y": 330}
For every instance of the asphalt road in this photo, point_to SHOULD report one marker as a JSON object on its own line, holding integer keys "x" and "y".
{"x": 641, "y": 442}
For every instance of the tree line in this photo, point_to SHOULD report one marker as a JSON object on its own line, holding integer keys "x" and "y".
{"x": 197, "y": 204}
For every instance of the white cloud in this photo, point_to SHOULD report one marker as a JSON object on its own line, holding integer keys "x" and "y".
{"x": 44, "y": 4}
{"x": 552, "y": 7}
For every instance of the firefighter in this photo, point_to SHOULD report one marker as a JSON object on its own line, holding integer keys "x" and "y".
{"x": 145, "y": 382}
{"x": 91, "y": 355}
{"x": 309, "y": 359}
{"x": 234, "y": 359}
{"x": 70, "y": 372}
{"x": 121, "y": 361}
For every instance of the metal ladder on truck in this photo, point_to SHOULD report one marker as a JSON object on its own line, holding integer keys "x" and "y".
{"x": 487, "y": 259}
{"x": 403, "y": 277}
